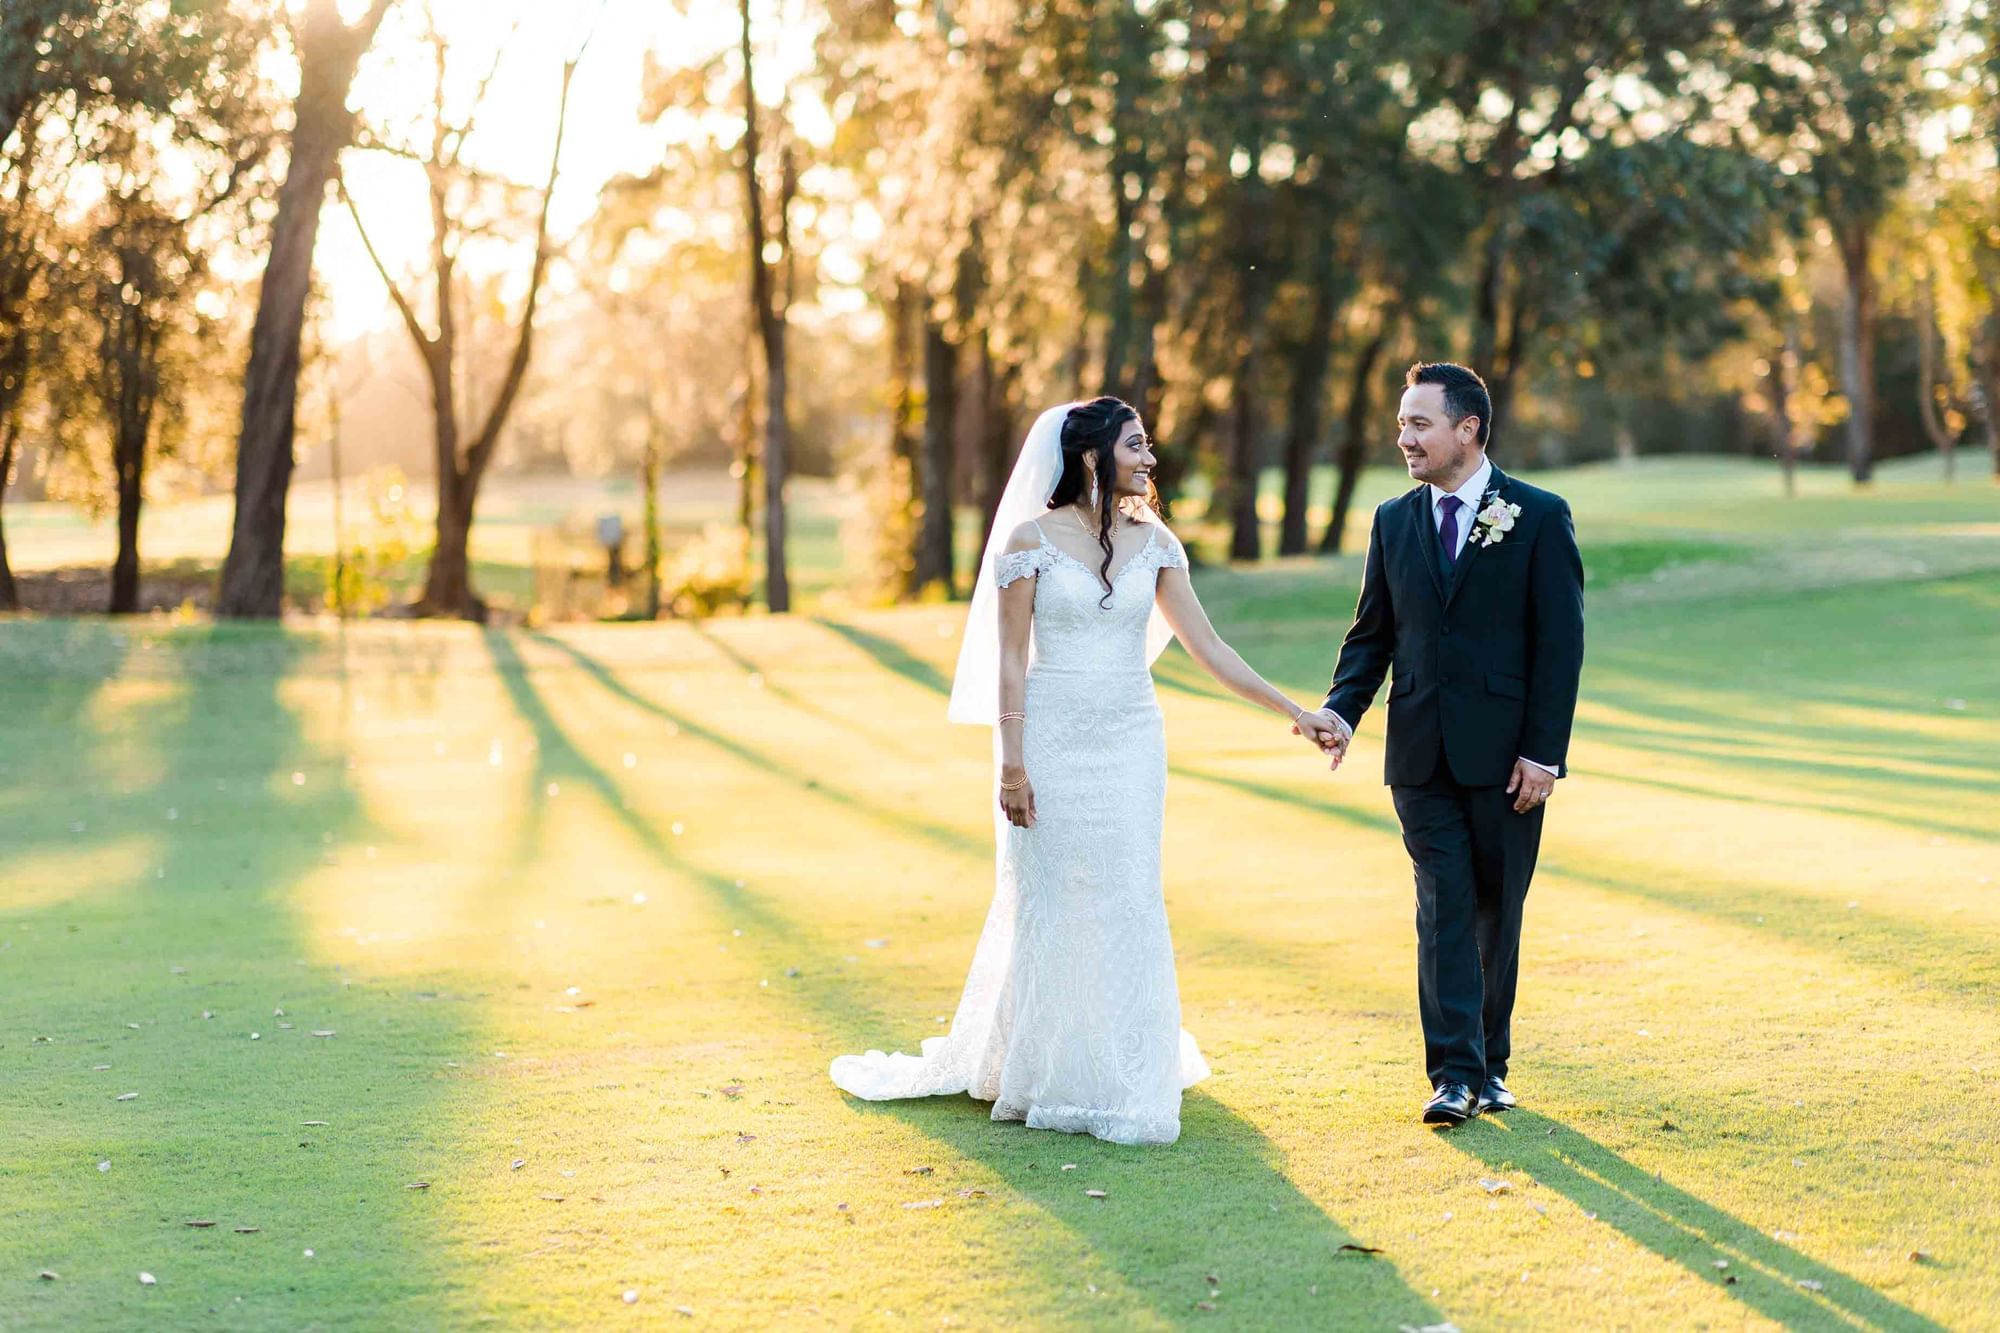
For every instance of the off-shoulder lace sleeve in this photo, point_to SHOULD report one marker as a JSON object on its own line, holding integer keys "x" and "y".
{"x": 1013, "y": 565}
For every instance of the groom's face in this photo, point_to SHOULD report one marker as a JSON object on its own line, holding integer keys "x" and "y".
{"x": 1436, "y": 448}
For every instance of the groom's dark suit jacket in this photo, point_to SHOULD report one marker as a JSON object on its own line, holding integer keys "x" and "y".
{"x": 1486, "y": 652}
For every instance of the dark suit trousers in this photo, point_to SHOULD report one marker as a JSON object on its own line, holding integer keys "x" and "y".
{"x": 1474, "y": 857}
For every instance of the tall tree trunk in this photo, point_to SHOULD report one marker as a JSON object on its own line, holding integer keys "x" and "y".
{"x": 1857, "y": 352}
{"x": 934, "y": 532}
{"x": 13, "y": 387}
{"x": 1989, "y": 385}
{"x": 997, "y": 432}
{"x": 1118, "y": 337}
{"x": 1354, "y": 439}
{"x": 130, "y": 379}
{"x": 1306, "y": 419}
{"x": 896, "y": 517}
{"x": 1246, "y": 446}
{"x": 771, "y": 330}
{"x": 1780, "y": 377}
{"x": 1927, "y": 379}
{"x": 253, "y": 574}
{"x": 649, "y": 481}
{"x": 1147, "y": 389}
{"x": 10, "y": 437}
{"x": 1797, "y": 437}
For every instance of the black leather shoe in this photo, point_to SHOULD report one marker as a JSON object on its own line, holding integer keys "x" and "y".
{"x": 1451, "y": 1104}
{"x": 1494, "y": 1097}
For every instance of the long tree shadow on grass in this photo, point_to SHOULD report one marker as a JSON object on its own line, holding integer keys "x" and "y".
{"x": 239, "y": 808}
{"x": 1768, "y": 1274}
{"x": 1226, "y": 1207}
{"x": 941, "y": 835}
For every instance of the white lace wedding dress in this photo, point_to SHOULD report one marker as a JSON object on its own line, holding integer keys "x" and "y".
{"x": 1071, "y": 1017}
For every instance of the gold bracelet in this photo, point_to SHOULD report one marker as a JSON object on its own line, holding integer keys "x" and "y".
{"x": 1013, "y": 717}
{"x": 1014, "y": 786}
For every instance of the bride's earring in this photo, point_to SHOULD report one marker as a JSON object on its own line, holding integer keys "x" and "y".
{"x": 1093, "y": 490}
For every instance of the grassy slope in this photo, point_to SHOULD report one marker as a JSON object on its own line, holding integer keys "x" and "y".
{"x": 1759, "y": 1018}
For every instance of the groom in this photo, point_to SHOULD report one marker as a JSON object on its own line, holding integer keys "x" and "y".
{"x": 1473, "y": 595}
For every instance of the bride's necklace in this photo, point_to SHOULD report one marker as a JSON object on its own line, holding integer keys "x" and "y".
{"x": 1076, "y": 512}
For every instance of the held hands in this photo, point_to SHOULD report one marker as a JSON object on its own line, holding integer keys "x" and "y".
{"x": 1018, "y": 802}
{"x": 1326, "y": 731}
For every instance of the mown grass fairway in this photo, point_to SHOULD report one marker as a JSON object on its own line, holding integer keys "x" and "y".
{"x": 585, "y": 913}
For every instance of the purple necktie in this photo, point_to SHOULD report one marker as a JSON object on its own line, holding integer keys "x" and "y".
{"x": 1448, "y": 530}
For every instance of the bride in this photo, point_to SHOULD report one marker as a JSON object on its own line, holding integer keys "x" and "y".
{"x": 1070, "y": 1018}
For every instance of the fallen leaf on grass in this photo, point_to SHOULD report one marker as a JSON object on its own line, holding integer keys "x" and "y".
{"x": 963, "y": 1194}
{"x": 1669, "y": 1127}
{"x": 1093, "y": 1194}
{"x": 201, "y": 1224}
{"x": 1204, "y": 1305}
{"x": 47, "y": 1275}
{"x": 919, "y": 1170}
{"x": 1069, "y": 1166}
{"x": 840, "y": 1208}
{"x": 324, "y": 1032}
{"x": 104, "y": 1166}
{"x": 99, "y": 1069}
{"x": 1920, "y": 1256}
{"x": 520, "y": 1162}
{"x": 148, "y": 1280}
{"x": 1811, "y": 1285}
{"x": 1720, "y": 1265}
{"x": 125, "y": 1096}
{"x": 746, "y": 1138}
{"x": 1211, "y": 1279}
{"x": 925, "y": 1203}
{"x": 1352, "y": 1248}
{"x": 1495, "y": 1186}
{"x": 311, "y": 1124}
{"x": 418, "y": 1185}
{"x": 686, "y": 1310}
{"x": 733, "y": 1090}
{"x": 248, "y": 1231}
{"x": 550, "y": 1198}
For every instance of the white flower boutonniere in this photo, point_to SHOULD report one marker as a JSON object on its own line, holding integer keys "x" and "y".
{"x": 1494, "y": 520}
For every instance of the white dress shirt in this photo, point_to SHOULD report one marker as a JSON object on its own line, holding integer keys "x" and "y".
{"x": 1469, "y": 496}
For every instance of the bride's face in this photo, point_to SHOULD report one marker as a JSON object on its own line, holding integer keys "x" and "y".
{"x": 1132, "y": 460}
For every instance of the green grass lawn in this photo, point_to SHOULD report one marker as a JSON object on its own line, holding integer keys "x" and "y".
{"x": 583, "y": 914}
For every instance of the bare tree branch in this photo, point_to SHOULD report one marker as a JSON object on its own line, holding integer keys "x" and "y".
{"x": 410, "y": 320}
{"x": 483, "y": 444}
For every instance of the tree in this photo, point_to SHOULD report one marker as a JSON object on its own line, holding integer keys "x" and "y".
{"x": 66, "y": 65}
{"x": 768, "y": 318}
{"x": 146, "y": 260}
{"x": 1840, "y": 98}
{"x": 253, "y": 574}
{"x": 463, "y": 450}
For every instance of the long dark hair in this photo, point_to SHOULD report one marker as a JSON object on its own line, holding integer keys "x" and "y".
{"x": 1093, "y": 428}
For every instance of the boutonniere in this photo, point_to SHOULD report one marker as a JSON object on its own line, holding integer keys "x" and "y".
{"x": 1494, "y": 520}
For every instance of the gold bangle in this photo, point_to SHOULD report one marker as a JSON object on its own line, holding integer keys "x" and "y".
{"x": 1014, "y": 786}
{"x": 1013, "y": 717}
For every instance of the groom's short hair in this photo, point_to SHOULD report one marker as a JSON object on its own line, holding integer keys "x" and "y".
{"x": 1464, "y": 392}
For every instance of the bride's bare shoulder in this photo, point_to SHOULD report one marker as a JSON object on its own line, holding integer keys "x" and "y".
{"x": 1027, "y": 537}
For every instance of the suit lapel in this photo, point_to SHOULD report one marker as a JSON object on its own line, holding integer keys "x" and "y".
{"x": 1495, "y": 485}
{"x": 1426, "y": 538}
